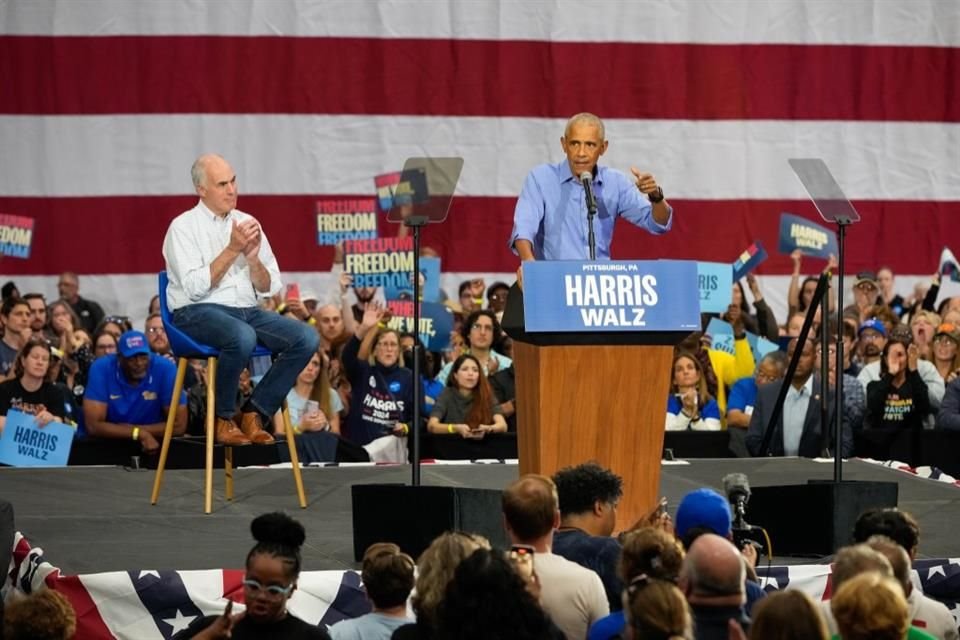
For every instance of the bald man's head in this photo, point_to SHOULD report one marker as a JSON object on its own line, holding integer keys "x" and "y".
{"x": 713, "y": 572}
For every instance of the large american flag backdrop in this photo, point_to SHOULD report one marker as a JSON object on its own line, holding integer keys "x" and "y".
{"x": 105, "y": 104}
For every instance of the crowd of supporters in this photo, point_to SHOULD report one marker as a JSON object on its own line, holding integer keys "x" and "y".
{"x": 354, "y": 399}
{"x": 568, "y": 574}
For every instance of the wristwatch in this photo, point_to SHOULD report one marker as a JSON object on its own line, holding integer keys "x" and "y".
{"x": 656, "y": 196}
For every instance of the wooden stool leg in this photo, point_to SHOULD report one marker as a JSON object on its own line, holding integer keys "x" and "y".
{"x": 228, "y": 470}
{"x": 211, "y": 424}
{"x": 294, "y": 459}
{"x": 168, "y": 430}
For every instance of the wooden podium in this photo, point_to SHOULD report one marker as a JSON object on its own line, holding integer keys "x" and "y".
{"x": 593, "y": 396}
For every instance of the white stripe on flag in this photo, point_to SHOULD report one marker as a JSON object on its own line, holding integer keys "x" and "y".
{"x": 119, "y": 605}
{"x": 303, "y": 154}
{"x": 919, "y": 22}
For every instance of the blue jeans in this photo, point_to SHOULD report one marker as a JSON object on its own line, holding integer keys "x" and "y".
{"x": 235, "y": 332}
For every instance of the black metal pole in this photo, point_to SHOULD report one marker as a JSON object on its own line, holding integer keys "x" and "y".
{"x": 825, "y": 423}
{"x": 591, "y": 240}
{"x": 415, "y": 223}
{"x": 838, "y": 403}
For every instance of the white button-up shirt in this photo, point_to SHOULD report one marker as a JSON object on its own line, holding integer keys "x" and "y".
{"x": 194, "y": 239}
{"x": 795, "y": 407}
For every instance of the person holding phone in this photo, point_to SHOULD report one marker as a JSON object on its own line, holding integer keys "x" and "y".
{"x": 690, "y": 405}
{"x": 899, "y": 399}
{"x": 272, "y": 570}
{"x": 467, "y": 405}
{"x": 313, "y": 405}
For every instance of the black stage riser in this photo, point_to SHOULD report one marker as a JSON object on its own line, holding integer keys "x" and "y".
{"x": 817, "y": 518}
{"x": 412, "y": 517}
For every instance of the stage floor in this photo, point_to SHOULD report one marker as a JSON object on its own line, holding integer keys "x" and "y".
{"x": 96, "y": 519}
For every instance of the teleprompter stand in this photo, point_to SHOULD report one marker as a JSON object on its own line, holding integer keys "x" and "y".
{"x": 411, "y": 516}
{"x": 817, "y": 518}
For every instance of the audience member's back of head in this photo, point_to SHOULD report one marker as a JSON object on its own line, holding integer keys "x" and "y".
{"x": 579, "y": 487}
{"x": 713, "y": 571}
{"x": 656, "y": 610}
{"x": 788, "y": 615}
{"x": 387, "y": 575}
{"x": 487, "y": 598}
{"x": 435, "y": 569}
{"x": 44, "y": 615}
{"x": 702, "y": 511}
{"x": 856, "y": 559}
{"x": 897, "y": 525}
{"x": 530, "y": 507}
{"x": 652, "y": 552}
{"x": 871, "y": 606}
{"x": 896, "y": 556}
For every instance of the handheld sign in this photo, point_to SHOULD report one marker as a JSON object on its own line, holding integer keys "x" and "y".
{"x": 721, "y": 335}
{"x": 622, "y": 296}
{"x": 25, "y": 444}
{"x": 436, "y": 322}
{"x": 386, "y": 185}
{"x": 749, "y": 260}
{"x": 379, "y": 262}
{"x": 345, "y": 219}
{"x": 429, "y": 283}
{"x": 715, "y": 281}
{"x": 16, "y": 235}
{"x": 948, "y": 265}
{"x": 811, "y": 239}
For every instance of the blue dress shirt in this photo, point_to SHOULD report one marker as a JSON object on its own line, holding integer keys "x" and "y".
{"x": 552, "y": 212}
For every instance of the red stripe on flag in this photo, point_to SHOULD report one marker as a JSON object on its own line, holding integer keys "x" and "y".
{"x": 90, "y": 624}
{"x": 125, "y": 234}
{"x": 211, "y": 74}
{"x": 233, "y": 585}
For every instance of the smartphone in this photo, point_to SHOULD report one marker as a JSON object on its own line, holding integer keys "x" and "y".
{"x": 293, "y": 291}
{"x": 662, "y": 507}
{"x": 522, "y": 558}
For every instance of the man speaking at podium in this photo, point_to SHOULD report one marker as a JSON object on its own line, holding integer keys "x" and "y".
{"x": 550, "y": 221}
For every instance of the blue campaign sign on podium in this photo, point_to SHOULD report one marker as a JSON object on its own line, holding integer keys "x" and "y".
{"x": 611, "y": 296}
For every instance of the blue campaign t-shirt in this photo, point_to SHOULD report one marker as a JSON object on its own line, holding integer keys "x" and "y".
{"x": 132, "y": 404}
{"x": 743, "y": 395}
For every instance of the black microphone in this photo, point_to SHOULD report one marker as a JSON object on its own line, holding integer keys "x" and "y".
{"x": 737, "y": 488}
{"x": 586, "y": 179}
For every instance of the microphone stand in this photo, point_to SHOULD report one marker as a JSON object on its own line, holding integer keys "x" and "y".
{"x": 586, "y": 180}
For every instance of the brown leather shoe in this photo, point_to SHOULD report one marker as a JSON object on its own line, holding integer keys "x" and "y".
{"x": 226, "y": 432}
{"x": 253, "y": 429}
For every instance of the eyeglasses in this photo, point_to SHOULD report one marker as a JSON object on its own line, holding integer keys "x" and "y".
{"x": 481, "y": 327}
{"x": 871, "y": 336}
{"x": 273, "y": 590}
{"x": 156, "y": 330}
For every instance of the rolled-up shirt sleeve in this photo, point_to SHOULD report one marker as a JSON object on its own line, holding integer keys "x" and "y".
{"x": 185, "y": 264}
{"x": 528, "y": 214}
{"x": 638, "y": 211}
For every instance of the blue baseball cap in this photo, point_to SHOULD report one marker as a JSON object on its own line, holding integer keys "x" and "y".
{"x": 704, "y": 508}
{"x": 874, "y": 324}
{"x": 133, "y": 343}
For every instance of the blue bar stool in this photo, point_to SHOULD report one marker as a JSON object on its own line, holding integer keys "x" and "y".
{"x": 185, "y": 349}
